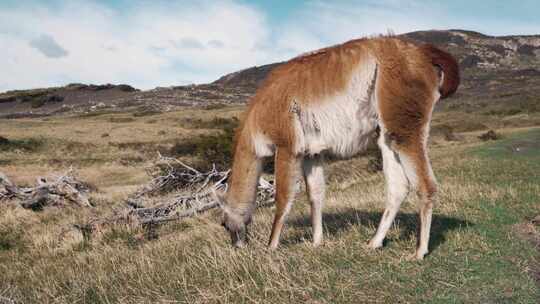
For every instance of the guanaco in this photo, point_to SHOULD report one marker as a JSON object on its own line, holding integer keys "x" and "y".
{"x": 332, "y": 101}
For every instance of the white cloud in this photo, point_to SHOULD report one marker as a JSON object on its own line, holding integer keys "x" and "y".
{"x": 188, "y": 43}
{"x": 161, "y": 43}
{"x": 146, "y": 47}
{"x": 323, "y": 23}
{"x": 47, "y": 45}
{"x": 216, "y": 43}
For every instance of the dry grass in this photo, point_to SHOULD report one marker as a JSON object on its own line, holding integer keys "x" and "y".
{"x": 475, "y": 257}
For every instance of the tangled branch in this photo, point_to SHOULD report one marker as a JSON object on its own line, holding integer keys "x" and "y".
{"x": 63, "y": 189}
{"x": 193, "y": 196}
{"x": 195, "y": 189}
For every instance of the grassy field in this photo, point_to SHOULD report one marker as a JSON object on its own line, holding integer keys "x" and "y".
{"x": 482, "y": 247}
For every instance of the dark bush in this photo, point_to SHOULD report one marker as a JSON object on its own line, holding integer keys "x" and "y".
{"x": 11, "y": 238}
{"x": 445, "y": 131}
{"x": 215, "y": 106}
{"x": 126, "y": 88}
{"x": 215, "y": 123}
{"x": 527, "y": 49}
{"x": 28, "y": 145}
{"x": 210, "y": 149}
{"x": 503, "y": 112}
{"x": 468, "y": 126}
{"x": 39, "y": 101}
{"x": 497, "y": 48}
{"x": 470, "y": 61}
{"x": 7, "y": 99}
{"x": 121, "y": 119}
{"x": 490, "y": 135}
{"x": 146, "y": 111}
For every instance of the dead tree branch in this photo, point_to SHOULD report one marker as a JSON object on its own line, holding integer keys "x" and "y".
{"x": 60, "y": 190}
{"x": 195, "y": 190}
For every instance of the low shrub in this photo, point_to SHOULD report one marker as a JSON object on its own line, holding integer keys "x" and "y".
{"x": 215, "y": 106}
{"x": 121, "y": 119}
{"x": 39, "y": 101}
{"x": 503, "y": 112}
{"x": 215, "y": 123}
{"x": 10, "y": 238}
{"x": 468, "y": 126}
{"x": 210, "y": 149}
{"x": 490, "y": 135}
{"x": 444, "y": 131}
{"x": 146, "y": 111}
{"x": 27, "y": 145}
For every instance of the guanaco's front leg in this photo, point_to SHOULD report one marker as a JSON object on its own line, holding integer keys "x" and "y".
{"x": 287, "y": 169}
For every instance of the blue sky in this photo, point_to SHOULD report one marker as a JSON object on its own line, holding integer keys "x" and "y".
{"x": 162, "y": 43}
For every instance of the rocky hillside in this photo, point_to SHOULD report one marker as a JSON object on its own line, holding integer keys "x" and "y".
{"x": 39, "y": 102}
{"x": 249, "y": 78}
{"x": 502, "y": 73}
{"x": 475, "y": 50}
{"x": 495, "y": 70}
{"x": 476, "y": 53}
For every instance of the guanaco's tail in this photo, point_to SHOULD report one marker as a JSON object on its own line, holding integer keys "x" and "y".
{"x": 449, "y": 67}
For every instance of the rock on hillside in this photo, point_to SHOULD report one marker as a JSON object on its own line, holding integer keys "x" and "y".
{"x": 249, "y": 78}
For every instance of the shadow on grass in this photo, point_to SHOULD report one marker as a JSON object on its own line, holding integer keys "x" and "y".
{"x": 342, "y": 220}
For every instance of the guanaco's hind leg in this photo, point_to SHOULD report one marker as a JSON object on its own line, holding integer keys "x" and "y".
{"x": 314, "y": 176}
{"x": 427, "y": 188}
{"x": 287, "y": 169}
{"x": 417, "y": 167}
{"x": 397, "y": 188}
{"x": 404, "y": 167}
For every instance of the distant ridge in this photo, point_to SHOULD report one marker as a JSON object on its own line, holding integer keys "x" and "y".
{"x": 474, "y": 50}
{"x": 493, "y": 68}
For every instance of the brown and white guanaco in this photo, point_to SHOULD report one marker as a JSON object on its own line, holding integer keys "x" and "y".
{"x": 332, "y": 100}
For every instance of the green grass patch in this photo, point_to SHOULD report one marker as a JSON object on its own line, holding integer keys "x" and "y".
{"x": 11, "y": 238}
{"x": 475, "y": 254}
{"x": 523, "y": 145}
{"x": 26, "y": 144}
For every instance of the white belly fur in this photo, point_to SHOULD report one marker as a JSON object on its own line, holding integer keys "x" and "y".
{"x": 341, "y": 124}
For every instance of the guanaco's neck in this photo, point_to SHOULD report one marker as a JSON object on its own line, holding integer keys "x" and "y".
{"x": 246, "y": 170}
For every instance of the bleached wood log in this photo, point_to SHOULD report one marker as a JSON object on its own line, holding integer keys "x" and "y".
{"x": 64, "y": 188}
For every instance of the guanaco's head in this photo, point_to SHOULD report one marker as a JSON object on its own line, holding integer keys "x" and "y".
{"x": 234, "y": 221}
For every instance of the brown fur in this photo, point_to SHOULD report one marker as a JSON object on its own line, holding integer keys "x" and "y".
{"x": 448, "y": 64}
{"x": 407, "y": 79}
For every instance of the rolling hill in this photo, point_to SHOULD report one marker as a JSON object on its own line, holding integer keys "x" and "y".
{"x": 498, "y": 70}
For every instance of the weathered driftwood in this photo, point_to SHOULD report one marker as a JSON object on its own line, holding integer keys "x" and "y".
{"x": 7, "y": 189}
{"x": 194, "y": 196}
{"x": 62, "y": 189}
{"x": 195, "y": 190}
{"x": 170, "y": 174}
